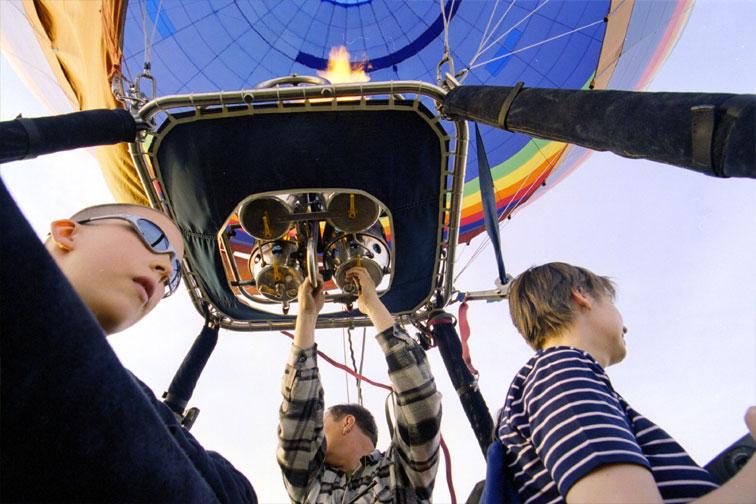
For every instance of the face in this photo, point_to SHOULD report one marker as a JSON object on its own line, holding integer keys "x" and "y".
{"x": 117, "y": 276}
{"x": 332, "y": 430}
{"x": 608, "y": 329}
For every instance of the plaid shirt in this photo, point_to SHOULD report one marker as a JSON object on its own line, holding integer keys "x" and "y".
{"x": 404, "y": 473}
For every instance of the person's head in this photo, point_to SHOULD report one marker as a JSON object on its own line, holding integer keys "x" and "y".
{"x": 350, "y": 434}
{"x": 121, "y": 260}
{"x": 544, "y": 302}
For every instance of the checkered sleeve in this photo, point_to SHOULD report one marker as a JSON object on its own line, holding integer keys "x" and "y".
{"x": 418, "y": 413}
{"x": 301, "y": 446}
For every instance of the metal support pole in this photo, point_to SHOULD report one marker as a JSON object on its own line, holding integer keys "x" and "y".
{"x": 712, "y": 133}
{"x": 466, "y": 385}
{"x": 183, "y": 383}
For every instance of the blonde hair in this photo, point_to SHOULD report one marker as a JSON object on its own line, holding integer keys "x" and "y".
{"x": 100, "y": 210}
{"x": 540, "y": 299}
{"x": 109, "y": 209}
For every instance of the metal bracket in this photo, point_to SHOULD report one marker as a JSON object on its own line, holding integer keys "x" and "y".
{"x": 500, "y": 293}
{"x": 293, "y": 80}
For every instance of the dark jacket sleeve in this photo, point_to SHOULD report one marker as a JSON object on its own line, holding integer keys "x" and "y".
{"x": 75, "y": 426}
{"x": 228, "y": 483}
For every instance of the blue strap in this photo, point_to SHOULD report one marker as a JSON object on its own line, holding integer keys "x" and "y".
{"x": 499, "y": 488}
{"x": 488, "y": 199}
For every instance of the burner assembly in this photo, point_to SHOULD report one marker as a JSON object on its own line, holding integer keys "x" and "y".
{"x": 272, "y": 242}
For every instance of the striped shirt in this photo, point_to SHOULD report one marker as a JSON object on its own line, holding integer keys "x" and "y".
{"x": 562, "y": 419}
{"x": 404, "y": 473}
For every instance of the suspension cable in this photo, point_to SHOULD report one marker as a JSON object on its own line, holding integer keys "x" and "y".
{"x": 487, "y": 35}
{"x": 484, "y": 37}
{"x": 152, "y": 35}
{"x": 536, "y": 44}
{"x": 143, "y": 6}
{"x": 354, "y": 366}
{"x": 511, "y": 207}
{"x": 362, "y": 361}
{"x": 446, "y": 57}
{"x": 518, "y": 23}
{"x": 346, "y": 376}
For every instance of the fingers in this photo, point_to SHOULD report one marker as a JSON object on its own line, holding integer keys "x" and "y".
{"x": 319, "y": 292}
{"x": 750, "y": 420}
{"x": 305, "y": 288}
{"x": 360, "y": 275}
{"x": 307, "y": 293}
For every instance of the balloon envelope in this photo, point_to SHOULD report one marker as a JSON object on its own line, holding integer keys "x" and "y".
{"x": 211, "y": 45}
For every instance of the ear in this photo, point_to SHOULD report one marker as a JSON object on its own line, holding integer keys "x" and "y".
{"x": 581, "y": 299}
{"x": 348, "y": 424}
{"x": 63, "y": 232}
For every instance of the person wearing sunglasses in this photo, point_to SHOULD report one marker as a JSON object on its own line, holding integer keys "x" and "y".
{"x": 76, "y": 425}
{"x": 121, "y": 260}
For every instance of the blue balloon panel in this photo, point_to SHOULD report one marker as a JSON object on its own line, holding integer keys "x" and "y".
{"x": 200, "y": 46}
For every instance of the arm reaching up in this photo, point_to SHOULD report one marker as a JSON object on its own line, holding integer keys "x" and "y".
{"x": 311, "y": 300}
{"x": 416, "y": 436}
{"x": 301, "y": 449}
{"x": 368, "y": 301}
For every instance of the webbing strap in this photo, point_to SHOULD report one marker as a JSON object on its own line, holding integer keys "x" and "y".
{"x": 464, "y": 334}
{"x": 505, "y": 106}
{"x": 34, "y": 136}
{"x": 702, "y": 134}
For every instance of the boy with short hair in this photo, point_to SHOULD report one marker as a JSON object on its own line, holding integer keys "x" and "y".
{"x": 75, "y": 424}
{"x": 569, "y": 436}
{"x": 120, "y": 259}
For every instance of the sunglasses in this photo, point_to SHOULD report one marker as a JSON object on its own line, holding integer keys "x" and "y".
{"x": 154, "y": 238}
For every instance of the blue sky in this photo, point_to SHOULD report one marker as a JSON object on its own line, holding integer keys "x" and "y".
{"x": 679, "y": 245}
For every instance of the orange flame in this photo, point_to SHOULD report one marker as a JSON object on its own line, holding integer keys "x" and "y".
{"x": 341, "y": 70}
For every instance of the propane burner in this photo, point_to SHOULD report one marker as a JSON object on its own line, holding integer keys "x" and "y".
{"x": 273, "y": 241}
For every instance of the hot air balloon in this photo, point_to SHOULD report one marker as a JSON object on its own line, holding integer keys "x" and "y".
{"x": 204, "y": 81}
{"x": 213, "y": 46}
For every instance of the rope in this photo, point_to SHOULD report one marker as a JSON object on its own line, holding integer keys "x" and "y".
{"x": 446, "y": 26}
{"x": 507, "y": 209}
{"x": 472, "y": 65}
{"x": 474, "y": 256}
{"x": 154, "y": 29}
{"x": 344, "y": 368}
{"x": 447, "y": 464}
{"x": 498, "y": 23}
